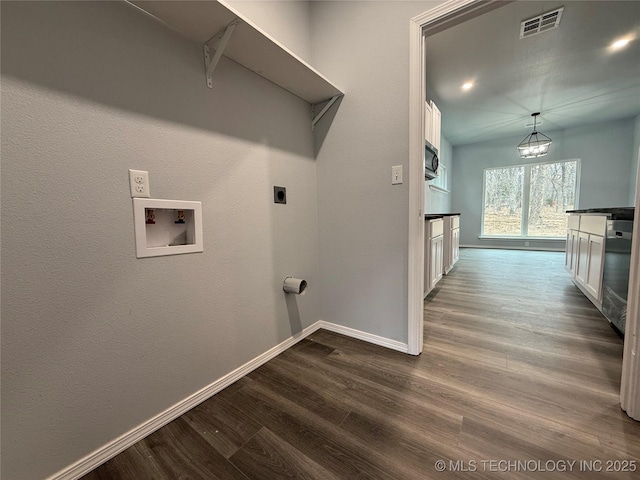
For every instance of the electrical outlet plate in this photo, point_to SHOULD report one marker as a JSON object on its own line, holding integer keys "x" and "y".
{"x": 139, "y": 183}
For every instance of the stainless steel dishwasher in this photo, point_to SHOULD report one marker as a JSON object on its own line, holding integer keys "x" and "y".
{"x": 615, "y": 280}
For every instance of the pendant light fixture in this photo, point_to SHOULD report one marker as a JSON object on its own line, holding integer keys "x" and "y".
{"x": 535, "y": 144}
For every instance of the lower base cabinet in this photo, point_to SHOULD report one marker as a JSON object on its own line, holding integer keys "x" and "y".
{"x": 437, "y": 250}
{"x": 451, "y": 242}
{"x": 595, "y": 256}
{"x": 584, "y": 255}
{"x": 455, "y": 236}
{"x": 571, "y": 251}
{"x": 433, "y": 253}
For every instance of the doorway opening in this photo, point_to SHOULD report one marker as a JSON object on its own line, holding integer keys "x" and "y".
{"x": 442, "y": 17}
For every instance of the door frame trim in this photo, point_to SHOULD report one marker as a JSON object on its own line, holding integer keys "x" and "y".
{"x": 630, "y": 381}
{"x": 441, "y": 14}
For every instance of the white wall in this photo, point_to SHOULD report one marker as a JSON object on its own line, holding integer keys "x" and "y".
{"x": 363, "y": 219}
{"x": 288, "y": 21}
{"x": 94, "y": 341}
{"x": 436, "y": 201}
{"x": 603, "y": 148}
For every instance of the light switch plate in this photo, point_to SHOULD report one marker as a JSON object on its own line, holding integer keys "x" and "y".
{"x": 396, "y": 175}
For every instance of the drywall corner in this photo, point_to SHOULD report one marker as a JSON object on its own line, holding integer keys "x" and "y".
{"x": 289, "y": 22}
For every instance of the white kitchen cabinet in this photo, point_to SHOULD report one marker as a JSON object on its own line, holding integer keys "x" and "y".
{"x": 595, "y": 254}
{"x": 584, "y": 255}
{"x": 451, "y": 242}
{"x": 455, "y": 245}
{"x": 583, "y": 258}
{"x": 428, "y": 120}
{"x": 590, "y": 263}
{"x": 433, "y": 253}
{"x": 432, "y": 127}
{"x": 436, "y": 118}
{"x": 437, "y": 249}
{"x": 571, "y": 251}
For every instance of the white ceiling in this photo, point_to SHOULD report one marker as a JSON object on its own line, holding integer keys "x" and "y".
{"x": 569, "y": 74}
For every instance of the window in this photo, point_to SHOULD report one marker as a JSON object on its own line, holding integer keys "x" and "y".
{"x": 529, "y": 200}
{"x": 440, "y": 182}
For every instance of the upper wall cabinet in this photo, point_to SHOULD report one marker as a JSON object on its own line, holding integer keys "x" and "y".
{"x": 432, "y": 119}
{"x": 428, "y": 119}
{"x": 435, "y": 125}
{"x": 222, "y": 30}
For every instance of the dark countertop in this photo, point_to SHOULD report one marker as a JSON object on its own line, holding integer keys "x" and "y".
{"x": 613, "y": 213}
{"x": 433, "y": 216}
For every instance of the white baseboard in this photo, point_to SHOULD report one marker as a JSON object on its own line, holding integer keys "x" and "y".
{"x": 93, "y": 460}
{"x": 110, "y": 450}
{"x": 367, "y": 337}
{"x": 537, "y": 249}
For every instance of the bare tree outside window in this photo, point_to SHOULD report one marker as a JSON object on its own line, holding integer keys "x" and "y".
{"x": 503, "y": 201}
{"x": 529, "y": 200}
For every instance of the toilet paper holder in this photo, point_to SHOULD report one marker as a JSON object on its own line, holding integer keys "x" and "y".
{"x": 294, "y": 285}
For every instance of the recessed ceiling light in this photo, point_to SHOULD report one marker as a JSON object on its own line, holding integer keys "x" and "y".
{"x": 467, "y": 86}
{"x": 618, "y": 44}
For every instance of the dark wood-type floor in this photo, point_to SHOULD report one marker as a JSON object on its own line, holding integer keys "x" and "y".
{"x": 517, "y": 365}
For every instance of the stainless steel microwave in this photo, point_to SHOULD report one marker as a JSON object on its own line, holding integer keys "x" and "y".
{"x": 430, "y": 161}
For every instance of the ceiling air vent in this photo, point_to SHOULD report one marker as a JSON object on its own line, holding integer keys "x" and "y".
{"x": 541, "y": 23}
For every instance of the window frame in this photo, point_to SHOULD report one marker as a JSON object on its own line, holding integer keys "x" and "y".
{"x": 440, "y": 182}
{"x": 526, "y": 192}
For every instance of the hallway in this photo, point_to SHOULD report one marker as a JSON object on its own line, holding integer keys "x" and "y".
{"x": 540, "y": 362}
{"x": 517, "y": 365}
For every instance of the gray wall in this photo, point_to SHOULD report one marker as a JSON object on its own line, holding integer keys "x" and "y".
{"x": 289, "y": 22}
{"x": 363, "y": 221}
{"x": 94, "y": 341}
{"x": 436, "y": 201}
{"x": 604, "y": 150}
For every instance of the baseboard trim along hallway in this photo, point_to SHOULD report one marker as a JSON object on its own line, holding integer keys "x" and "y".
{"x": 367, "y": 337}
{"x": 110, "y": 450}
{"x": 503, "y": 247}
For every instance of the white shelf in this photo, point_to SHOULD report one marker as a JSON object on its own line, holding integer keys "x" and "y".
{"x": 249, "y": 46}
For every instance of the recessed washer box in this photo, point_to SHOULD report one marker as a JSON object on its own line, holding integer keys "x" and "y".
{"x": 167, "y": 227}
